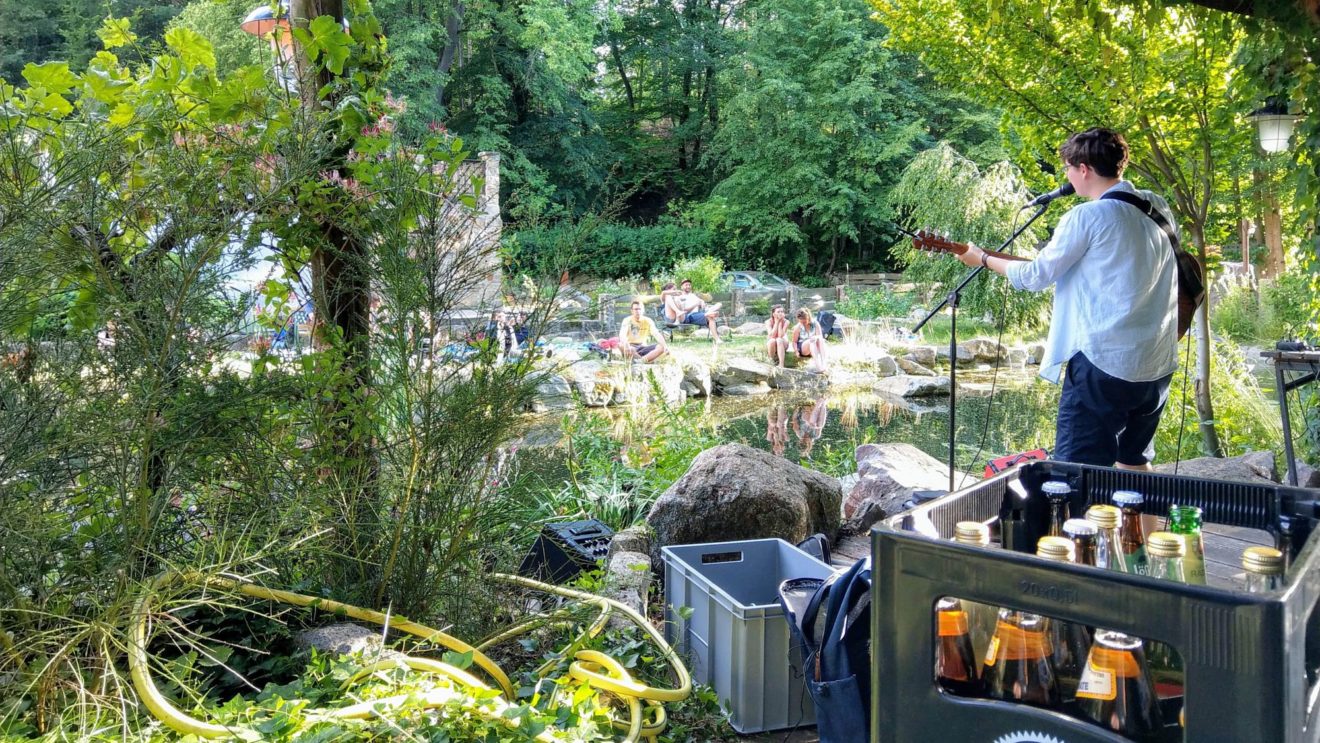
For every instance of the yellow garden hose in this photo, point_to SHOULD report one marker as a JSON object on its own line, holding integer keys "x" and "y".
{"x": 596, "y": 669}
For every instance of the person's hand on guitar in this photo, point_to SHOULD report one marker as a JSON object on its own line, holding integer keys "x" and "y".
{"x": 973, "y": 256}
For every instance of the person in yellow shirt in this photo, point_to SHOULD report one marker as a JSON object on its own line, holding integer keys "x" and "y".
{"x": 638, "y": 336}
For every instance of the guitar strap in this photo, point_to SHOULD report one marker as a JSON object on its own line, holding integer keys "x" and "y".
{"x": 1146, "y": 208}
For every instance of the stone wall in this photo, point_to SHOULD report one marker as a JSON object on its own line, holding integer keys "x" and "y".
{"x": 476, "y": 238}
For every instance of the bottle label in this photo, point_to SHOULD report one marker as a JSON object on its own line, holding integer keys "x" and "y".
{"x": 1097, "y": 683}
{"x": 1136, "y": 562}
{"x": 952, "y": 623}
{"x": 992, "y": 652}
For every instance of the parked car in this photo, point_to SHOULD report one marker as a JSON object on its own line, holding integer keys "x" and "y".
{"x": 757, "y": 284}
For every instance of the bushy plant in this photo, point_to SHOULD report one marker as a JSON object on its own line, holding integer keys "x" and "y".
{"x": 609, "y": 251}
{"x": 1237, "y": 314}
{"x": 871, "y": 304}
{"x": 703, "y": 271}
{"x": 1246, "y": 419}
{"x": 1286, "y": 307}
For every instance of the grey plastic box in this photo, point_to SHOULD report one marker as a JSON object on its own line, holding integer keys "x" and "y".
{"x": 737, "y": 639}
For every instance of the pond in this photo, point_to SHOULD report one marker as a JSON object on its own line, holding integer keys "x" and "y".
{"x": 822, "y": 432}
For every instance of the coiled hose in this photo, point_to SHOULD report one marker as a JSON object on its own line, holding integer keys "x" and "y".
{"x": 596, "y": 669}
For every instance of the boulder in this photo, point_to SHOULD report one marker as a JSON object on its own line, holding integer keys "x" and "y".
{"x": 628, "y": 581}
{"x": 796, "y": 379}
{"x": 345, "y": 639}
{"x": 887, "y": 475}
{"x": 910, "y": 367}
{"x": 636, "y": 538}
{"x": 644, "y": 381}
{"x": 1307, "y": 476}
{"x": 746, "y": 390}
{"x": 749, "y": 329}
{"x": 1035, "y": 352}
{"x": 1253, "y": 467}
{"x": 593, "y": 382}
{"x": 696, "y": 374}
{"x": 984, "y": 350}
{"x": 904, "y": 385}
{"x": 741, "y": 371}
{"x": 734, "y": 491}
{"x": 965, "y": 355}
{"x": 853, "y": 378}
{"x": 924, "y": 355}
{"x": 886, "y": 365}
{"x": 1017, "y": 357}
{"x": 553, "y": 393}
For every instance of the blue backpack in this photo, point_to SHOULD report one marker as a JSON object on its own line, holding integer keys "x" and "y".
{"x": 831, "y": 620}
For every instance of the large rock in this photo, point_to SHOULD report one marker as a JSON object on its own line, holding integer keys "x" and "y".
{"x": 593, "y": 382}
{"x": 904, "y": 385}
{"x": 885, "y": 365}
{"x": 345, "y": 639}
{"x": 749, "y": 329}
{"x": 554, "y": 392}
{"x": 1017, "y": 357}
{"x": 746, "y": 390}
{"x": 911, "y": 367}
{"x": 1035, "y": 352}
{"x": 1307, "y": 476}
{"x": 1254, "y": 467}
{"x": 734, "y": 491}
{"x": 853, "y": 378}
{"x": 887, "y": 475}
{"x": 645, "y": 382}
{"x": 965, "y": 355}
{"x": 741, "y": 371}
{"x": 796, "y": 379}
{"x": 924, "y": 355}
{"x": 983, "y": 350}
{"x": 696, "y": 374}
{"x": 628, "y": 581}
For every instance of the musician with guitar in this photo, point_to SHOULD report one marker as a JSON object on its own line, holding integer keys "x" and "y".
{"x": 1115, "y": 319}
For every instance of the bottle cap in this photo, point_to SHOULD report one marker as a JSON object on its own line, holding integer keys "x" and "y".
{"x": 1056, "y": 489}
{"x": 1117, "y": 640}
{"x": 1128, "y": 498}
{"x": 1055, "y": 548}
{"x": 1262, "y": 561}
{"x": 1165, "y": 544}
{"x": 971, "y": 532}
{"x": 1080, "y": 527}
{"x": 1103, "y": 516}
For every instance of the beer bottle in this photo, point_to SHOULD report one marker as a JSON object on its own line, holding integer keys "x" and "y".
{"x": 955, "y": 663}
{"x": 1083, "y": 534}
{"x": 1264, "y": 566}
{"x": 1185, "y": 521}
{"x": 1057, "y": 493}
{"x": 1069, "y": 642}
{"x": 1131, "y": 535}
{"x": 1108, "y": 549}
{"x": 981, "y": 618}
{"x": 1018, "y": 667}
{"x": 1116, "y": 691}
{"x": 1166, "y": 552}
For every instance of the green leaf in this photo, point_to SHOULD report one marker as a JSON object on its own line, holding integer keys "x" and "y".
{"x": 192, "y": 47}
{"x": 458, "y": 660}
{"x": 114, "y": 32}
{"x": 324, "y": 39}
{"x": 53, "y": 76}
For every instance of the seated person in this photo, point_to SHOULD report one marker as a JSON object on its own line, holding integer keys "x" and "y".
{"x": 808, "y": 424}
{"x": 808, "y": 341}
{"x": 776, "y": 335}
{"x": 639, "y": 338}
{"x": 502, "y": 333}
{"x": 694, "y": 311}
{"x": 669, "y": 296}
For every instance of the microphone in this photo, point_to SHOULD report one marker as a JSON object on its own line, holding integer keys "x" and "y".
{"x": 1058, "y": 193}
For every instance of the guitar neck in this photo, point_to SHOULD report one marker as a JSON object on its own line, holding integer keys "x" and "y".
{"x": 992, "y": 253}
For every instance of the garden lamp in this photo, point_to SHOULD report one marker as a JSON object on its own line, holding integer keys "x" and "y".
{"x": 1274, "y": 124}
{"x": 271, "y": 22}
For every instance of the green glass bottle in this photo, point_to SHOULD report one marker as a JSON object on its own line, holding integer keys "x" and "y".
{"x": 1185, "y": 521}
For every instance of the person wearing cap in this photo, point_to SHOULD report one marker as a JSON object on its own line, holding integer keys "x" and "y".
{"x": 1115, "y": 319}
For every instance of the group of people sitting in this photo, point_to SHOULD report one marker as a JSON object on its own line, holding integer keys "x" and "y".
{"x": 640, "y": 338}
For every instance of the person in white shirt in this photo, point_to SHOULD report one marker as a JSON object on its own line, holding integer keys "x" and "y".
{"x": 1115, "y": 309}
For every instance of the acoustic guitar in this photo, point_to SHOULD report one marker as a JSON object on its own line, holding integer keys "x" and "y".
{"x": 1191, "y": 291}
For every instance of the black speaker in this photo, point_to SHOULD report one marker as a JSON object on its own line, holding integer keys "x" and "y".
{"x": 565, "y": 548}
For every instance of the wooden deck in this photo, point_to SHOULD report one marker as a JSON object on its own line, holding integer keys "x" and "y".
{"x": 1223, "y": 552}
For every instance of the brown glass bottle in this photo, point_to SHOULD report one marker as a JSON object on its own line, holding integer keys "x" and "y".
{"x": 1057, "y": 493}
{"x": 1018, "y": 667}
{"x": 1069, "y": 641}
{"x": 955, "y": 663}
{"x": 981, "y": 618}
{"x": 1116, "y": 691}
{"x": 1084, "y": 535}
{"x": 1132, "y": 534}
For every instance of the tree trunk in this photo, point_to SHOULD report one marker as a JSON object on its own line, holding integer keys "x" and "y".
{"x": 1271, "y": 223}
{"x": 453, "y": 25}
{"x": 1205, "y": 409}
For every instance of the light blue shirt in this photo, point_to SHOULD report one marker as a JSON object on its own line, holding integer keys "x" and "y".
{"x": 1115, "y": 289}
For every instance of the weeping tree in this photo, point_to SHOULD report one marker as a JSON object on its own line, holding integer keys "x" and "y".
{"x": 139, "y": 431}
{"x": 943, "y": 191}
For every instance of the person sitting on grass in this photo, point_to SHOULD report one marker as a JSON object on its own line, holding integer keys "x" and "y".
{"x": 639, "y": 338}
{"x": 776, "y": 335}
{"x": 808, "y": 341}
{"x": 694, "y": 311}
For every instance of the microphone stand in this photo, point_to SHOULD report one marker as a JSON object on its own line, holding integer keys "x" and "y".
{"x": 952, "y": 300}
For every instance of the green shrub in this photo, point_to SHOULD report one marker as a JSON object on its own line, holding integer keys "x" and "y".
{"x": 1286, "y": 307}
{"x": 704, "y": 272}
{"x": 1237, "y": 315}
{"x": 609, "y": 251}
{"x": 871, "y": 304}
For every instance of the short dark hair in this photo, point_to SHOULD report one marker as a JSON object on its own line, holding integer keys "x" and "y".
{"x": 1103, "y": 150}
{"x": 685, "y": 281}
{"x": 636, "y": 303}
